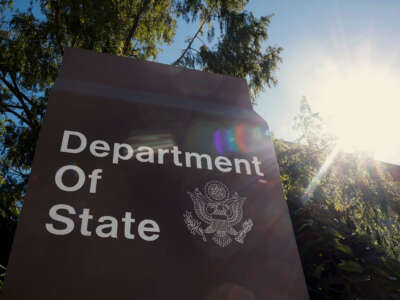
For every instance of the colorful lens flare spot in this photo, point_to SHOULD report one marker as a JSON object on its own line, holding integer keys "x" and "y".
{"x": 239, "y": 139}
{"x": 231, "y": 140}
{"x": 218, "y": 142}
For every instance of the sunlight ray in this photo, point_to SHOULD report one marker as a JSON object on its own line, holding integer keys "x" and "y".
{"x": 320, "y": 174}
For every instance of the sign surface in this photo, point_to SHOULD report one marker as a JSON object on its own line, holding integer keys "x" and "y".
{"x": 152, "y": 182}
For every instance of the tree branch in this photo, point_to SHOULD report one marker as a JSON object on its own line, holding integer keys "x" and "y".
{"x": 14, "y": 88}
{"x": 57, "y": 17}
{"x": 200, "y": 40}
{"x": 16, "y": 172}
{"x": 194, "y": 50}
{"x": 135, "y": 25}
{"x": 22, "y": 94}
{"x": 14, "y": 106}
{"x": 189, "y": 46}
{"x": 20, "y": 97}
{"x": 18, "y": 116}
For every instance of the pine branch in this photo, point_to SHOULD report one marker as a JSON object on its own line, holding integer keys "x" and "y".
{"x": 19, "y": 116}
{"x": 22, "y": 94}
{"x": 16, "y": 91}
{"x": 15, "y": 171}
{"x": 14, "y": 106}
{"x": 135, "y": 25}
{"x": 20, "y": 97}
{"x": 189, "y": 46}
{"x": 194, "y": 50}
{"x": 57, "y": 17}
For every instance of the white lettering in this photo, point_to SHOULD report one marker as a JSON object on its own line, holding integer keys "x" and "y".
{"x": 93, "y": 180}
{"x": 246, "y": 164}
{"x": 85, "y": 216}
{"x": 145, "y": 154}
{"x": 53, "y": 213}
{"x": 198, "y": 157}
{"x": 223, "y": 164}
{"x": 128, "y": 220}
{"x": 176, "y": 152}
{"x": 148, "y": 226}
{"x": 106, "y": 227}
{"x": 111, "y": 227}
{"x": 65, "y": 142}
{"x": 161, "y": 153}
{"x": 77, "y": 185}
{"x": 99, "y": 145}
{"x": 117, "y": 155}
{"x": 257, "y": 164}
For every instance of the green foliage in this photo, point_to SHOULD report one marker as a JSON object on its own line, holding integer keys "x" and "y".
{"x": 345, "y": 212}
{"x": 238, "y": 52}
{"x": 340, "y": 263}
{"x": 311, "y": 127}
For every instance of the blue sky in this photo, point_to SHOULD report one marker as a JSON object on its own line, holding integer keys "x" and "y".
{"x": 326, "y": 44}
{"x": 344, "y": 56}
{"x": 305, "y": 30}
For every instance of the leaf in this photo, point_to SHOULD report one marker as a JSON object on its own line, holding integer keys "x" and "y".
{"x": 318, "y": 270}
{"x": 350, "y": 266}
{"x": 307, "y": 223}
{"x": 344, "y": 248}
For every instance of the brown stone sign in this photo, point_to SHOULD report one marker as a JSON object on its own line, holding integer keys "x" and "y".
{"x": 152, "y": 182}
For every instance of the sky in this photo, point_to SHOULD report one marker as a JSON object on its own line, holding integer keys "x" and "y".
{"x": 343, "y": 56}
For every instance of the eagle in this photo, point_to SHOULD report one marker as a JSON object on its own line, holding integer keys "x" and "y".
{"x": 219, "y": 215}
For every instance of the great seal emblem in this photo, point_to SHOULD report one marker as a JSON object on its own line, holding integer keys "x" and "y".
{"x": 220, "y": 211}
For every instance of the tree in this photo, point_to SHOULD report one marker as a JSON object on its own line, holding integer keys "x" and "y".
{"x": 345, "y": 212}
{"x": 31, "y": 48}
{"x": 311, "y": 128}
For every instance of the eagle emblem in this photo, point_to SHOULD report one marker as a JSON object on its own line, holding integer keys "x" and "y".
{"x": 220, "y": 211}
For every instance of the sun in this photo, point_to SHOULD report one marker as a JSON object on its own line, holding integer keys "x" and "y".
{"x": 360, "y": 103}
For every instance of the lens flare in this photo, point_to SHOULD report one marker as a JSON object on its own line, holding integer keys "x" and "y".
{"x": 231, "y": 140}
{"x": 321, "y": 172}
{"x": 239, "y": 139}
{"x": 218, "y": 142}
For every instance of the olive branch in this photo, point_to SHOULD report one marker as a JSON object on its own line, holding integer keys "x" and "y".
{"x": 246, "y": 227}
{"x": 193, "y": 225}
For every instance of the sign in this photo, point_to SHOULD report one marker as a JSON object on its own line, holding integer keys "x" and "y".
{"x": 152, "y": 182}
